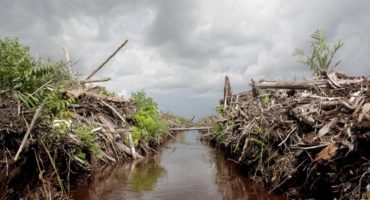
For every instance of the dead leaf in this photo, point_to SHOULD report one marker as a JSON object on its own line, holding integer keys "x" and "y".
{"x": 349, "y": 145}
{"x": 324, "y": 130}
{"x": 365, "y": 109}
{"x": 328, "y": 152}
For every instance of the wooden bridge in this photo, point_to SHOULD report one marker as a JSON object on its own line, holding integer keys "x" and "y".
{"x": 190, "y": 129}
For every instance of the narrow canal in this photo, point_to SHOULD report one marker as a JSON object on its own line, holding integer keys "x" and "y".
{"x": 184, "y": 169}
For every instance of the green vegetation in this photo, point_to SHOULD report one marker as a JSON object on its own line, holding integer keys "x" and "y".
{"x": 321, "y": 54}
{"x": 149, "y": 123}
{"x": 33, "y": 82}
{"x": 15, "y": 62}
{"x": 174, "y": 120}
{"x": 219, "y": 108}
{"x": 217, "y": 128}
{"x": 86, "y": 135}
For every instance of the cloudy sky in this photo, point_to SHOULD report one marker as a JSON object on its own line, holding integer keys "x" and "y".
{"x": 180, "y": 50}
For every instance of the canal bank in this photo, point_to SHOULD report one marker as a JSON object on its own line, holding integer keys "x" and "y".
{"x": 184, "y": 169}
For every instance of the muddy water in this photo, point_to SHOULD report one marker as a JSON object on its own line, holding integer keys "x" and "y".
{"x": 185, "y": 169}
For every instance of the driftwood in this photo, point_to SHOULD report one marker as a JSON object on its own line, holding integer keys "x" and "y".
{"x": 107, "y": 60}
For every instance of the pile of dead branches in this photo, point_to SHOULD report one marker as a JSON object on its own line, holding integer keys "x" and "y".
{"x": 56, "y": 134}
{"x": 308, "y": 138}
{"x": 33, "y": 153}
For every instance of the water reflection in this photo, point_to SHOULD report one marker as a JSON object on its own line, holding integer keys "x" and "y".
{"x": 146, "y": 175}
{"x": 185, "y": 169}
{"x": 109, "y": 183}
{"x": 234, "y": 186}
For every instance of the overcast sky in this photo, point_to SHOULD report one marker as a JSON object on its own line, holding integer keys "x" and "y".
{"x": 180, "y": 50}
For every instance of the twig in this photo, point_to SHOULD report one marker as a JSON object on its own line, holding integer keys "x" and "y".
{"x": 38, "y": 89}
{"x": 106, "y": 61}
{"x": 312, "y": 147}
{"x": 280, "y": 184}
{"x": 35, "y": 116}
{"x": 281, "y": 143}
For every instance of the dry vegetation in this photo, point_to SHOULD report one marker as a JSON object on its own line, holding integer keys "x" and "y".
{"x": 306, "y": 138}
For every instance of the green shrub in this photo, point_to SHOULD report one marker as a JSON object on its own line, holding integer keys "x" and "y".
{"x": 148, "y": 121}
{"x": 33, "y": 82}
{"x": 15, "y": 61}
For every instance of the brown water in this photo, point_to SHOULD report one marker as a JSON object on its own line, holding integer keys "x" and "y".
{"x": 185, "y": 169}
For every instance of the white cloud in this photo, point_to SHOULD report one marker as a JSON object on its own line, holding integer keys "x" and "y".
{"x": 181, "y": 50}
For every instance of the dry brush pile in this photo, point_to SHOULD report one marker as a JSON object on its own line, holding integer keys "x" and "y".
{"x": 306, "y": 139}
{"x": 55, "y": 130}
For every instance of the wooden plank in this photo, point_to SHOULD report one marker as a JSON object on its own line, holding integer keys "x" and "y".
{"x": 189, "y": 128}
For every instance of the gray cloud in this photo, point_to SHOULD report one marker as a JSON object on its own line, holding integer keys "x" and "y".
{"x": 180, "y": 51}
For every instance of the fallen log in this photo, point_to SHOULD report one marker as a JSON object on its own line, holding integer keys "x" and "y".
{"x": 305, "y": 84}
{"x": 331, "y": 82}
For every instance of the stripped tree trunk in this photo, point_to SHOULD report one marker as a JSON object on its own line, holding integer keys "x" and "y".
{"x": 227, "y": 92}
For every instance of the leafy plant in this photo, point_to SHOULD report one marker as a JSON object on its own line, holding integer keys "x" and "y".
{"x": 217, "y": 128}
{"x": 230, "y": 122}
{"x": 15, "y": 61}
{"x": 219, "y": 108}
{"x": 33, "y": 82}
{"x": 88, "y": 139}
{"x": 321, "y": 54}
{"x": 148, "y": 120}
